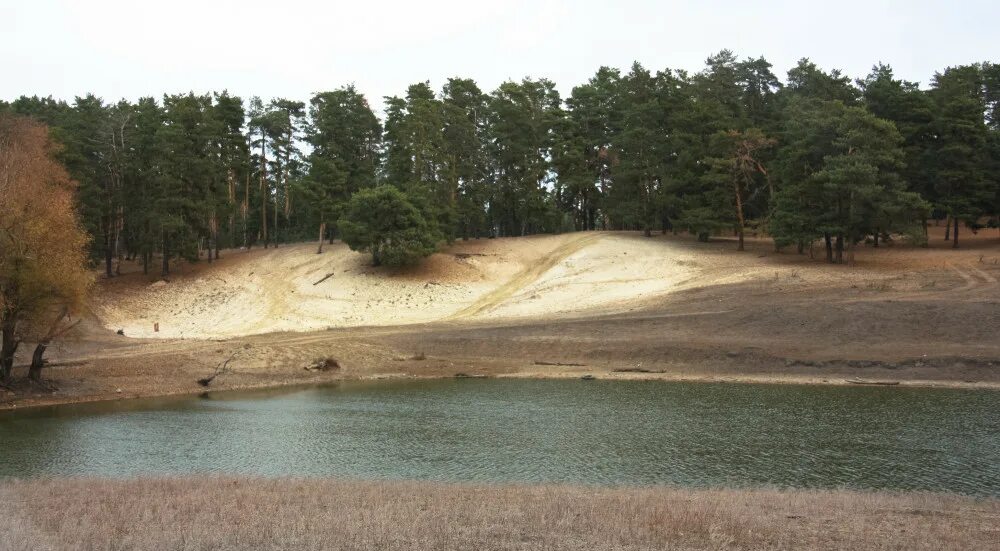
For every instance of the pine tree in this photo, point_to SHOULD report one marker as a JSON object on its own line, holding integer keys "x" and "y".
{"x": 760, "y": 94}
{"x": 634, "y": 195}
{"x": 911, "y": 110}
{"x": 523, "y": 117}
{"x": 189, "y": 178}
{"x": 345, "y": 137}
{"x": 416, "y": 147}
{"x": 732, "y": 176}
{"x": 285, "y": 121}
{"x": 142, "y": 177}
{"x": 234, "y": 163}
{"x": 384, "y": 222}
{"x": 808, "y": 81}
{"x": 466, "y": 171}
{"x": 585, "y": 153}
{"x": 960, "y": 138}
{"x": 841, "y": 171}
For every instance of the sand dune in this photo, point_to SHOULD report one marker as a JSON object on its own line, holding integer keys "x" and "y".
{"x": 280, "y": 289}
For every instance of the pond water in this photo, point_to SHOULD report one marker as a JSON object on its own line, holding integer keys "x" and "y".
{"x": 569, "y": 431}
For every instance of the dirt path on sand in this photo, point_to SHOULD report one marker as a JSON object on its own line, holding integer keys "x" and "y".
{"x": 526, "y": 277}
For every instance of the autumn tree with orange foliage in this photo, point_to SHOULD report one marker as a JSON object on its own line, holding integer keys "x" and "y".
{"x": 43, "y": 260}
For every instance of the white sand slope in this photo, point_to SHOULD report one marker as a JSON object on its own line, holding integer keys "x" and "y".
{"x": 276, "y": 290}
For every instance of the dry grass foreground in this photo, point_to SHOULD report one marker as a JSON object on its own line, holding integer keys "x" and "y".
{"x": 239, "y": 513}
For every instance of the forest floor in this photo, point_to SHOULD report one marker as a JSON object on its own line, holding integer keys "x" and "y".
{"x": 608, "y": 305}
{"x": 239, "y": 513}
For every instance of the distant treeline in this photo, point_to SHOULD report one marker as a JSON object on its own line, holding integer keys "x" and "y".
{"x": 817, "y": 157}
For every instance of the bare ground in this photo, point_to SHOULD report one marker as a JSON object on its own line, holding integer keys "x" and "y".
{"x": 260, "y": 514}
{"x": 569, "y": 306}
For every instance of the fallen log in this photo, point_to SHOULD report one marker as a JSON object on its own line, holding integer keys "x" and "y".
{"x": 326, "y": 277}
{"x": 49, "y": 363}
{"x": 637, "y": 370}
{"x": 557, "y": 364}
{"x": 872, "y": 383}
{"x": 219, "y": 370}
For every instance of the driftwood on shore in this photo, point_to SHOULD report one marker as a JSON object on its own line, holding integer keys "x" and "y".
{"x": 324, "y": 364}
{"x": 873, "y": 383}
{"x": 637, "y": 370}
{"x": 558, "y": 364}
{"x": 220, "y": 369}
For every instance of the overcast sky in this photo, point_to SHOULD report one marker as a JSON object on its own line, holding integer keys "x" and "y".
{"x": 292, "y": 48}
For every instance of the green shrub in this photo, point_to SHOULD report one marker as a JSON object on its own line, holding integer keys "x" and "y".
{"x": 384, "y": 222}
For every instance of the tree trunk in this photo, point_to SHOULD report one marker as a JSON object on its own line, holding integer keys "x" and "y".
{"x": 263, "y": 217}
{"x": 876, "y": 238}
{"x": 108, "y": 254}
{"x": 245, "y": 210}
{"x": 263, "y": 191}
{"x": 9, "y": 346}
{"x": 947, "y": 228}
{"x": 840, "y": 249}
{"x": 55, "y": 330}
{"x": 288, "y": 196}
{"x": 145, "y": 262}
{"x": 213, "y": 234}
{"x": 829, "y": 248}
{"x": 926, "y": 238}
{"x": 165, "y": 268}
{"x": 322, "y": 232}
{"x": 739, "y": 212}
{"x": 118, "y": 245}
{"x": 37, "y": 362}
{"x": 954, "y": 242}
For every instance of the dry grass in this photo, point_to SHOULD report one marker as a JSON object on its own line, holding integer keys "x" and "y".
{"x": 239, "y": 513}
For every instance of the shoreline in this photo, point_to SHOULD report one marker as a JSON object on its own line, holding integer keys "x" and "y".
{"x": 37, "y": 402}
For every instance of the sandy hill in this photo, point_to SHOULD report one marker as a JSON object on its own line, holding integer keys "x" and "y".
{"x": 292, "y": 288}
{"x": 281, "y": 289}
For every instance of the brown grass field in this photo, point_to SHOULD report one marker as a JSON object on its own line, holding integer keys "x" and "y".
{"x": 244, "y": 514}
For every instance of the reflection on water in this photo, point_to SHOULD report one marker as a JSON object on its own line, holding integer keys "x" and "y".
{"x": 632, "y": 433}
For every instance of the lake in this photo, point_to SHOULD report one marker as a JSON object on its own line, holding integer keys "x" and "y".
{"x": 527, "y": 431}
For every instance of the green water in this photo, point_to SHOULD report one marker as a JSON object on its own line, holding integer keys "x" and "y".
{"x": 616, "y": 433}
